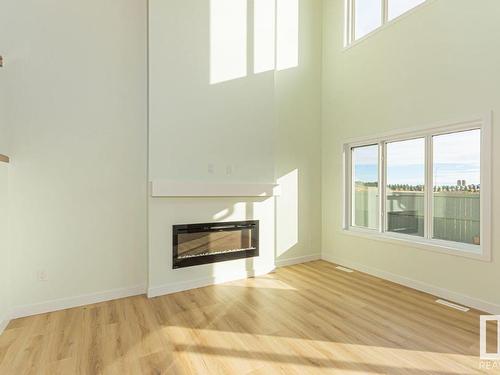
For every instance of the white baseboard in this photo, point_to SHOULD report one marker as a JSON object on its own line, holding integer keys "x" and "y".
{"x": 297, "y": 260}
{"x": 449, "y": 295}
{"x": 161, "y": 290}
{"x": 88, "y": 299}
{"x": 67, "y": 303}
{"x": 3, "y": 324}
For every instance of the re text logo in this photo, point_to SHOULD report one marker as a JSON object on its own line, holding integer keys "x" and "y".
{"x": 485, "y": 356}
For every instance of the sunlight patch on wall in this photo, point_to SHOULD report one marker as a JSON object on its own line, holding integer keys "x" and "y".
{"x": 264, "y": 35}
{"x": 273, "y": 27}
{"x": 236, "y": 212}
{"x": 228, "y": 40}
{"x": 221, "y": 214}
{"x": 287, "y": 34}
{"x": 287, "y": 213}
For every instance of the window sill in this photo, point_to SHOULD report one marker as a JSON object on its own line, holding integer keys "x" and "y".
{"x": 439, "y": 246}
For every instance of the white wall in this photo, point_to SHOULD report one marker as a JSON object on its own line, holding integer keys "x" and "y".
{"x": 4, "y": 129}
{"x": 439, "y": 63}
{"x": 198, "y": 129}
{"x": 194, "y": 123}
{"x": 4, "y": 212}
{"x": 298, "y": 143}
{"x": 74, "y": 96}
{"x": 4, "y": 249}
{"x": 264, "y": 126}
{"x": 75, "y": 83}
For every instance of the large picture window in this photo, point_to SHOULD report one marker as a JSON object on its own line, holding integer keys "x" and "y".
{"x": 428, "y": 187}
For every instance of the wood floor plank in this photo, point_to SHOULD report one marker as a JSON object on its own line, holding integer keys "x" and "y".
{"x": 309, "y": 318}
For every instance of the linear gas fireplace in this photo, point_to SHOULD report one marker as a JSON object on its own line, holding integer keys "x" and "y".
{"x": 195, "y": 244}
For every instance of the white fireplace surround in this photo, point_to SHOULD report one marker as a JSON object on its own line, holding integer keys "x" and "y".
{"x": 166, "y": 188}
{"x": 179, "y": 202}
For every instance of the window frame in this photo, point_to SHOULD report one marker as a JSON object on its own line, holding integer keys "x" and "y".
{"x": 352, "y": 186}
{"x": 480, "y": 252}
{"x": 350, "y": 20}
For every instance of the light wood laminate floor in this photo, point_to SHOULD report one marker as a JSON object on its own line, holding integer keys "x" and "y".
{"x": 304, "y": 319}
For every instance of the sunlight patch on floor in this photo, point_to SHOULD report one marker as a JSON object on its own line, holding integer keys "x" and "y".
{"x": 262, "y": 283}
{"x": 276, "y": 349}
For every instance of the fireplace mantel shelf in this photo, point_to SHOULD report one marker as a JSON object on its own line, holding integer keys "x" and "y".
{"x": 164, "y": 188}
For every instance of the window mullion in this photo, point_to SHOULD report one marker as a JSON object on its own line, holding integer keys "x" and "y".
{"x": 385, "y": 14}
{"x": 348, "y": 187}
{"x": 353, "y": 190}
{"x": 352, "y": 24}
{"x": 429, "y": 188}
{"x": 382, "y": 186}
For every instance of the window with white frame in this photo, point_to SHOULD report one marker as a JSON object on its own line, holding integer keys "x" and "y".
{"x": 429, "y": 187}
{"x": 365, "y": 16}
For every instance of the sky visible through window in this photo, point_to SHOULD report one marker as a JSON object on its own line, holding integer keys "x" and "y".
{"x": 398, "y": 7}
{"x": 365, "y": 164}
{"x": 368, "y": 15}
{"x": 403, "y": 167}
{"x": 456, "y": 157}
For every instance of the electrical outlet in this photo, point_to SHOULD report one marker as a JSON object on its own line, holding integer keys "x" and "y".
{"x": 211, "y": 168}
{"x": 229, "y": 170}
{"x": 42, "y": 275}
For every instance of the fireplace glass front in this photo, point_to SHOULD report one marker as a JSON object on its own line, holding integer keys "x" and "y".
{"x": 195, "y": 244}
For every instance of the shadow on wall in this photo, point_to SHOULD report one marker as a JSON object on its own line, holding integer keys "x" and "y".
{"x": 287, "y": 213}
{"x": 252, "y": 36}
{"x": 248, "y": 213}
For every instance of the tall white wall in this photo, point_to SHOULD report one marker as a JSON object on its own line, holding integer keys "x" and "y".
{"x": 75, "y": 84}
{"x": 439, "y": 63}
{"x": 195, "y": 123}
{"x": 4, "y": 247}
{"x": 4, "y": 218}
{"x": 201, "y": 126}
{"x": 74, "y": 92}
{"x": 4, "y": 129}
{"x": 298, "y": 143}
{"x": 4, "y": 211}
{"x": 264, "y": 127}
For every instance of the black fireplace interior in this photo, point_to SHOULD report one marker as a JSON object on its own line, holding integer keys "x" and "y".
{"x": 195, "y": 244}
